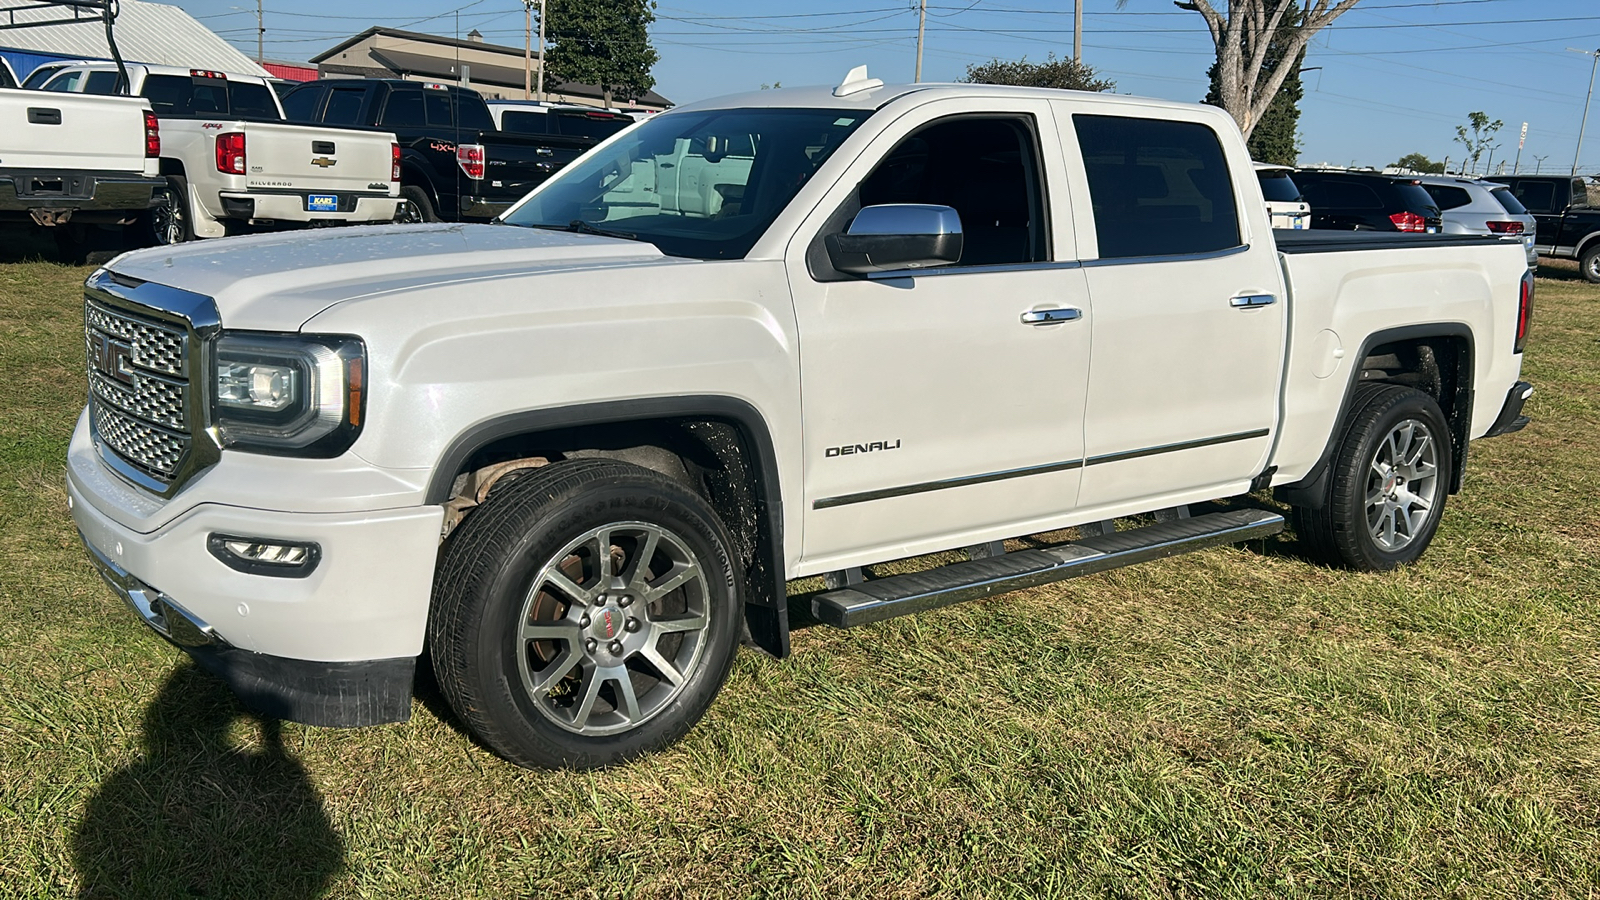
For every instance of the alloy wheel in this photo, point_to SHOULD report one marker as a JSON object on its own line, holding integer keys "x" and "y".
{"x": 1402, "y": 485}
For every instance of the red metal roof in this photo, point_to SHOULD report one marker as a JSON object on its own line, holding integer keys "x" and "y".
{"x": 291, "y": 73}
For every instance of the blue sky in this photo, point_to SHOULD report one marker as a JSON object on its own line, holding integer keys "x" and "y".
{"x": 1395, "y": 76}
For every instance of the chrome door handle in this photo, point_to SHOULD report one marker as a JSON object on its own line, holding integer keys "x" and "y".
{"x": 1252, "y": 301}
{"x": 1051, "y": 316}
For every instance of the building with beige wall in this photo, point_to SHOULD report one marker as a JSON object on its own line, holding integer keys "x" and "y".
{"x": 495, "y": 71}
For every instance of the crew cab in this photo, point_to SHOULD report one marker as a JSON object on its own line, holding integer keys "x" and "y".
{"x": 454, "y": 164}
{"x": 1567, "y": 226}
{"x": 576, "y": 457}
{"x": 233, "y": 165}
{"x": 76, "y": 164}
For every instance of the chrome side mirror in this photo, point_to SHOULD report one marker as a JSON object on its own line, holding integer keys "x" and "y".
{"x": 897, "y": 236}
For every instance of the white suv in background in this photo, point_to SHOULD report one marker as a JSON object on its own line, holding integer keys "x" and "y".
{"x": 1470, "y": 206}
{"x": 1284, "y": 203}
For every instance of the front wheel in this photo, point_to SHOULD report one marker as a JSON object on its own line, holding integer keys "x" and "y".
{"x": 1386, "y": 494}
{"x": 1589, "y": 265}
{"x": 585, "y": 614}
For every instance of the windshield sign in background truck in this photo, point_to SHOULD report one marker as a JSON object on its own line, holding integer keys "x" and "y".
{"x": 232, "y": 164}
{"x": 791, "y": 333}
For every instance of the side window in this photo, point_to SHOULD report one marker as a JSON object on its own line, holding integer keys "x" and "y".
{"x": 344, "y": 106}
{"x": 301, "y": 104}
{"x": 987, "y": 170}
{"x": 1158, "y": 188}
{"x": 252, "y": 101}
{"x": 65, "y": 83}
{"x": 438, "y": 105}
{"x": 1448, "y": 197}
{"x": 524, "y": 122}
{"x": 1537, "y": 196}
{"x": 474, "y": 113}
{"x": 101, "y": 83}
{"x": 1341, "y": 195}
{"x": 1580, "y": 194}
{"x": 404, "y": 110}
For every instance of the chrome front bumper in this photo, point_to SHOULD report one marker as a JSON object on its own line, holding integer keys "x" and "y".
{"x": 166, "y": 617}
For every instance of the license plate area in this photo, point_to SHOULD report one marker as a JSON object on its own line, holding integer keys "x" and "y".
{"x": 322, "y": 203}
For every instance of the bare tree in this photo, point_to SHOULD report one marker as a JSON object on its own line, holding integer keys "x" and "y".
{"x": 1244, "y": 34}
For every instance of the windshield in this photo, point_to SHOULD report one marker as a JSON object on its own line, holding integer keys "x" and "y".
{"x": 701, "y": 185}
{"x": 1278, "y": 187}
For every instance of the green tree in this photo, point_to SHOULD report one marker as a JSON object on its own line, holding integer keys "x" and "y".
{"x": 1062, "y": 74}
{"x": 1416, "y": 162}
{"x": 602, "y": 42}
{"x": 1275, "y": 138}
{"x": 1478, "y": 139}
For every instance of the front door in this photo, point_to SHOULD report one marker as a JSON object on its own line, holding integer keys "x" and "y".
{"x": 1189, "y": 314}
{"x": 935, "y": 412}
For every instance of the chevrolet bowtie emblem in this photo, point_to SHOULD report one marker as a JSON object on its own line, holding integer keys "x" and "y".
{"x": 324, "y": 162}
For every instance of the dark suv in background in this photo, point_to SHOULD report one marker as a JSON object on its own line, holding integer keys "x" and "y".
{"x": 1567, "y": 226}
{"x": 1368, "y": 201}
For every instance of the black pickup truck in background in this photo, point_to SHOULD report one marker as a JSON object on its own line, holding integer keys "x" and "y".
{"x": 1568, "y": 226}
{"x": 454, "y": 165}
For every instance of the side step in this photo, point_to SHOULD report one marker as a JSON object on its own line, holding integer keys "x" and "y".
{"x": 886, "y": 598}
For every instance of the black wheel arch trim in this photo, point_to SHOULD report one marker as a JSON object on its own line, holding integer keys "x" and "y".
{"x": 766, "y": 599}
{"x": 1311, "y": 490}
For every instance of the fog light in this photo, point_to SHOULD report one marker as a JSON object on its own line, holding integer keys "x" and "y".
{"x": 265, "y": 556}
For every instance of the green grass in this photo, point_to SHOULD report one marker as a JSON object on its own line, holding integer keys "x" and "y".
{"x": 1236, "y": 723}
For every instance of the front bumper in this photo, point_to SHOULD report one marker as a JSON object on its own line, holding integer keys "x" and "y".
{"x": 336, "y": 647}
{"x": 292, "y": 208}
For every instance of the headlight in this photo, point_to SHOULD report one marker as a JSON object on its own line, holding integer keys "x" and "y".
{"x": 291, "y": 394}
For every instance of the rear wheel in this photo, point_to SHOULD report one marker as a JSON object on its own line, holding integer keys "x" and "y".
{"x": 1387, "y": 490}
{"x": 1589, "y": 264}
{"x": 585, "y": 614}
{"x": 418, "y": 208}
{"x": 168, "y": 222}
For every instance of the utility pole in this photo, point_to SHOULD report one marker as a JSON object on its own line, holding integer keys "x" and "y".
{"x": 1077, "y": 31}
{"x": 541, "y": 49}
{"x": 261, "y": 34}
{"x": 527, "y": 51}
{"x": 922, "y": 26}
{"x": 1586, "y": 99}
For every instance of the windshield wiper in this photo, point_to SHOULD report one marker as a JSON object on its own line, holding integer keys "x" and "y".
{"x": 582, "y": 227}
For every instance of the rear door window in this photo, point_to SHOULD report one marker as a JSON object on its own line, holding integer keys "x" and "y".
{"x": 344, "y": 106}
{"x": 1536, "y": 196}
{"x": 1158, "y": 188}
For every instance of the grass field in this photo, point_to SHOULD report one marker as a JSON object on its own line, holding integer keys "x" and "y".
{"x": 1236, "y": 723}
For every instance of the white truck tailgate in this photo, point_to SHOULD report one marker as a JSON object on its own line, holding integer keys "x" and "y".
{"x": 313, "y": 158}
{"x": 81, "y": 132}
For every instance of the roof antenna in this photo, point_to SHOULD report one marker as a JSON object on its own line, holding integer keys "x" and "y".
{"x": 857, "y": 81}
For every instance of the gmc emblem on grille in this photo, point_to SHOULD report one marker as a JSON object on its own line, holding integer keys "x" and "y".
{"x": 113, "y": 358}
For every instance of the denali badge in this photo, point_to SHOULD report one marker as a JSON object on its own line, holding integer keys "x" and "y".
{"x": 850, "y": 449}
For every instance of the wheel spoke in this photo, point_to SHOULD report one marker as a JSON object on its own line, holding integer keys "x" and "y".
{"x": 591, "y": 693}
{"x": 630, "y": 700}
{"x": 603, "y": 562}
{"x": 675, "y": 626}
{"x": 1420, "y": 447}
{"x": 639, "y": 567}
{"x": 681, "y": 574}
{"x": 557, "y": 579}
{"x": 544, "y": 680}
{"x": 668, "y": 672}
{"x": 550, "y": 631}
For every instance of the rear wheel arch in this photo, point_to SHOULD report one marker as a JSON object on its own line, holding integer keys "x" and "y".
{"x": 1436, "y": 358}
{"x": 718, "y": 446}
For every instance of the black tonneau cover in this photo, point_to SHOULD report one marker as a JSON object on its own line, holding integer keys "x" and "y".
{"x": 1328, "y": 241}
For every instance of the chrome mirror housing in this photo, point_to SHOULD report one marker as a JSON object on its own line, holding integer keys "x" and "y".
{"x": 895, "y": 236}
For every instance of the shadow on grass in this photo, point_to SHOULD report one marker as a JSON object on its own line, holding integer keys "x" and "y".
{"x": 201, "y": 816}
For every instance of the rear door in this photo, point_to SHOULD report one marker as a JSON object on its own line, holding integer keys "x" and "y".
{"x": 1189, "y": 313}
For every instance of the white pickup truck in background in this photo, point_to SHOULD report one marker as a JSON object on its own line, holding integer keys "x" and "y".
{"x": 75, "y": 164}
{"x": 578, "y": 454}
{"x": 233, "y": 165}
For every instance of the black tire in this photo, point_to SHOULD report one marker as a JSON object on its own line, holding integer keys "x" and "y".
{"x": 1347, "y": 531}
{"x": 1589, "y": 264}
{"x": 494, "y": 581}
{"x": 418, "y": 207}
{"x": 169, "y": 221}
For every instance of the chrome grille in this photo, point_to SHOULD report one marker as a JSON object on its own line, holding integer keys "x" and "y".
{"x": 139, "y": 398}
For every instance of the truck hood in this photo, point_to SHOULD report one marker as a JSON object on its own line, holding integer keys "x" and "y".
{"x": 278, "y": 282}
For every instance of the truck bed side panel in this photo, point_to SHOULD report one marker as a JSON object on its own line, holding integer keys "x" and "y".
{"x": 1342, "y": 297}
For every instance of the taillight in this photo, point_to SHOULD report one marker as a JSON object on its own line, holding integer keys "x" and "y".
{"x": 394, "y": 162}
{"x": 1524, "y": 311}
{"x": 230, "y": 153}
{"x": 472, "y": 159}
{"x": 152, "y": 136}
{"x": 1504, "y": 227}
{"x": 1409, "y": 221}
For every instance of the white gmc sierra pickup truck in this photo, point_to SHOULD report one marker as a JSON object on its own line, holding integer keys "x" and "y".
{"x": 575, "y": 455}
